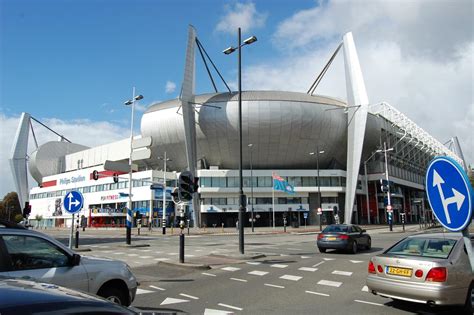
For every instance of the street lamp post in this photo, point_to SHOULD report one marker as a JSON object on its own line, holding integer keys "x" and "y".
{"x": 228, "y": 51}
{"x": 164, "y": 192}
{"x": 129, "y": 215}
{"x": 317, "y": 153}
{"x": 251, "y": 184}
{"x": 389, "y": 204}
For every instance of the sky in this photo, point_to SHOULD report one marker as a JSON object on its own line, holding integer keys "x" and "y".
{"x": 72, "y": 64}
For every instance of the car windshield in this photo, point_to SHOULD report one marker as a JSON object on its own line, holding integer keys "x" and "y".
{"x": 335, "y": 228}
{"x": 434, "y": 248}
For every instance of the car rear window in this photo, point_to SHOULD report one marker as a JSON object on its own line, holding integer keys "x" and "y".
{"x": 335, "y": 228}
{"x": 434, "y": 248}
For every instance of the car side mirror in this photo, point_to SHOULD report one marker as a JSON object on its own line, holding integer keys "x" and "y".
{"x": 75, "y": 260}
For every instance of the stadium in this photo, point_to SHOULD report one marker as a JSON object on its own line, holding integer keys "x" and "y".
{"x": 359, "y": 161}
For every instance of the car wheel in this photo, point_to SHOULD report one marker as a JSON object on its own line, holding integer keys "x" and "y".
{"x": 469, "y": 306}
{"x": 354, "y": 247}
{"x": 322, "y": 250}
{"x": 369, "y": 244}
{"x": 114, "y": 295}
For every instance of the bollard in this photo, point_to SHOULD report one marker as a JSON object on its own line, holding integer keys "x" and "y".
{"x": 222, "y": 227}
{"x": 181, "y": 248}
{"x": 284, "y": 225}
{"x": 77, "y": 238}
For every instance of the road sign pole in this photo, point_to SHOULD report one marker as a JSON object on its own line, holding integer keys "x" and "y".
{"x": 72, "y": 231}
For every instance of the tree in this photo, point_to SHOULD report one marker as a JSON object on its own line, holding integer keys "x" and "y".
{"x": 470, "y": 173}
{"x": 10, "y": 206}
{"x": 38, "y": 219}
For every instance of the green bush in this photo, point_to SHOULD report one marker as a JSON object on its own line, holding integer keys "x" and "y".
{"x": 18, "y": 218}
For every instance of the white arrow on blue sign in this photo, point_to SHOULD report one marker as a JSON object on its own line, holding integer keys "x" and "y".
{"x": 449, "y": 193}
{"x": 73, "y": 202}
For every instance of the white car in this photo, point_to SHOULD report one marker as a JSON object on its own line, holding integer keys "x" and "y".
{"x": 35, "y": 256}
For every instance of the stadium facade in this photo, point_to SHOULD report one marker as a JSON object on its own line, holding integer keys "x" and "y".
{"x": 280, "y": 130}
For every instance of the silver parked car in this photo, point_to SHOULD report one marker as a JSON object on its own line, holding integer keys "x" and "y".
{"x": 427, "y": 268}
{"x": 35, "y": 256}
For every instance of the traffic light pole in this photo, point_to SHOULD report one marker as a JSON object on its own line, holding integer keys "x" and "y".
{"x": 164, "y": 196}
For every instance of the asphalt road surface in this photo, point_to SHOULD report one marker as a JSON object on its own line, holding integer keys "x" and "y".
{"x": 292, "y": 278}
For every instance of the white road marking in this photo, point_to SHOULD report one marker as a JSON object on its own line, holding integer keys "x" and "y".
{"x": 356, "y": 261}
{"x": 230, "y": 306}
{"x": 132, "y": 254}
{"x": 284, "y": 255}
{"x": 142, "y": 291}
{"x": 257, "y": 273}
{"x": 146, "y": 250}
{"x": 329, "y": 259}
{"x": 319, "y": 263}
{"x": 173, "y": 301}
{"x": 305, "y": 257}
{"x": 342, "y": 273}
{"x": 317, "y": 293}
{"x": 208, "y": 274}
{"x": 290, "y": 277}
{"x": 366, "y": 302}
{"x": 230, "y": 268}
{"x": 210, "y": 311}
{"x": 137, "y": 262}
{"x": 198, "y": 250}
{"x": 173, "y": 254}
{"x": 253, "y": 262}
{"x": 157, "y": 288}
{"x": 308, "y": 269}
{"x": 274, "y": 285}
{"x": 365, "y": 289}
{"x": 189, "y": 296}
{"x": 294, "y": 248}
{"x": 330, "y": 283}
{"x": 237, "y": 279}
{"x": 190, "y": 255}
{"x": 161, "y": 259}
{"x": 144, "y": 257}
{"x": 278, "y": 266}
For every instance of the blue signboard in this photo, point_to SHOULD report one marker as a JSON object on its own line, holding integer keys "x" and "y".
{"x": 449, "y": 193}
{"x": 73, "y": 202}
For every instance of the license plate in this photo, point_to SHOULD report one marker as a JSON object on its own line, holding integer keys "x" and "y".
{"x": 404, "y": 272}
{"x": 331, "y": 238}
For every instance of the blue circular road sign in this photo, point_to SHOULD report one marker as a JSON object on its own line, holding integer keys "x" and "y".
{"x": 450, "y": 193}
{"x": 73, "y": 201}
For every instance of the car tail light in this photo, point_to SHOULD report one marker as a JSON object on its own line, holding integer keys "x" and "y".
{"x": 437, "y": 274}
{"x": 419, "y": 273}
{"x": 344, "y": 237}
{"x": 320, "y": 236}
{"x": 379, "y": 269}
{"x": 371, "y": 267}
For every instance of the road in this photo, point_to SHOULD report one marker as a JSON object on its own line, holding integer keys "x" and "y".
{"x": 292, "y": 278}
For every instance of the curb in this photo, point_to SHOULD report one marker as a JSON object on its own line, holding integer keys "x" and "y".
{"x": 240, "y": 257}
{"x": 135, "y": 245}
{"x": 185, "y": 265}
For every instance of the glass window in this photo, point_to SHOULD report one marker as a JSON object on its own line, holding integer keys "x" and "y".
{"x": 304, "y": 200}
{"x": 294, "y": 200}
{"x": 264, "y": 181}
{"x": 219, "y": 182}
{"x": 264, "y": 201}
{"x": 295, "y": 181}
{"x": 232, "y": 201}
{"x": 205, "y": 182}
{"x": 308, "y": 181}
{"x": 434, "y": 248}
{"x": 219, "y": 201}
{"x": 232, "y": 182}
{"x": 335, "y": 228}
{"x": 94, "y": 188}
{"x": 206, "y": 201}
{"x": 29, "y": 252}
{"x": 281, "y": 201}
{"x": 325, "y": 181}
{"x": 335, "y": 181}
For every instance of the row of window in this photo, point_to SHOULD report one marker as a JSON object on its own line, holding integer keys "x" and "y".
{"x": 266, "y": 181}
{"x": 91, "y": 189}
{"x": 263, "y": 201}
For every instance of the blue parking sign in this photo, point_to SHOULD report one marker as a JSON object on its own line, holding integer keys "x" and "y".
{"x": 450, "y": 193}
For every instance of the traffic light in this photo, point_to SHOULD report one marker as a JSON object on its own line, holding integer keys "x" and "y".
{"x": 186, "y": 186}
{"x": 196, "y": 184}
{"x": 383, "y": 185}
{"x": 175, "y": 195}
{"x": 95, "y": 175}
{"x": 116, "y": 178}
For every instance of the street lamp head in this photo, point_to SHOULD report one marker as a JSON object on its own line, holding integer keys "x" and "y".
{"x": 321, "y": 152}
{"x": 129, "y": 102}
{"x": 138, "y": 97}
{"x": 312, "y": 153}
{"x": 250, "y": 40}
{"x": 378, "y": 151}
{"x": 250, "y": 145}
{"x": 229, "y": 50}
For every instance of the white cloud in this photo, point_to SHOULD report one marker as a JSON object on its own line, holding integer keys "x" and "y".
{"x": 243, "y": 15}
{"x": 85, "y": 132}
{"x": 417, "y": 56}
{"x": 170, "y": 87}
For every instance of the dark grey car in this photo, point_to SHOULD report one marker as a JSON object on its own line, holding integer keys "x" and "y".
{"x": 345, "y": 237}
